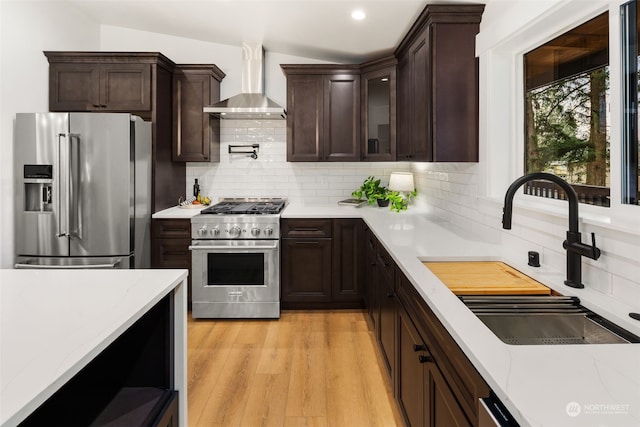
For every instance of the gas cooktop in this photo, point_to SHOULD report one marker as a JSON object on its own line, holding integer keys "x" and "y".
{"x": 253, "y": 206}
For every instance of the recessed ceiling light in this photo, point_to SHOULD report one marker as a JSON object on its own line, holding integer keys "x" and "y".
{"x": 358, "y": 15}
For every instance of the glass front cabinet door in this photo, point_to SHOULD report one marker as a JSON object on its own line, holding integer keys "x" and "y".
{"x": 378, "y": 112}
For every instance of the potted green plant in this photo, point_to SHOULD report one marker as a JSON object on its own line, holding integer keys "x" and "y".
{"x": 399, "y": 201}
{"x": 372, "y": 191}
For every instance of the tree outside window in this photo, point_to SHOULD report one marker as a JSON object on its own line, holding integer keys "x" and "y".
{"x": 566, "y": 112}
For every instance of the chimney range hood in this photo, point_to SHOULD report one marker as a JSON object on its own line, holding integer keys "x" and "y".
{"x": 251, "y": 104}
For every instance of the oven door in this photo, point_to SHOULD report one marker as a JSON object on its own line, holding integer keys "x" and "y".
{"x": 235, "y": 278}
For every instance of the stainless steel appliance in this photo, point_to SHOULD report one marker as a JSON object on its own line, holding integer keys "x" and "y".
{"x": 82, "y": 190}
{"x": 236, "y": 259}
{"x": 492, "y": 413}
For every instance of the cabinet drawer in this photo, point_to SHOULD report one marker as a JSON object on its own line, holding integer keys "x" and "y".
{"x": 171, "y": 253}
{"x": 171, "y": 229}
{"x": 297, "y": 228}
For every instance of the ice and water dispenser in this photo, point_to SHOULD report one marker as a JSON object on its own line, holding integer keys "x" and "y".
{"x": 38, "y": 188}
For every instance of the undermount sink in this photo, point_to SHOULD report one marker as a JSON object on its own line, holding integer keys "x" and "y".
{"x": 540, "y": 320}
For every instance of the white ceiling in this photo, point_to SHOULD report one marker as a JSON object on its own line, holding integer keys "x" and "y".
{"x": 321, "y": 29}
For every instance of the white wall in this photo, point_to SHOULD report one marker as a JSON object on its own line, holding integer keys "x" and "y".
{"x": 26, "y": 29}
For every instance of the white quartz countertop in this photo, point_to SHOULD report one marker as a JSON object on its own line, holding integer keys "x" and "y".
{"x": 177, "y": 212}
{"x": 540, "y": 385}
{"x": 53, "y": 322}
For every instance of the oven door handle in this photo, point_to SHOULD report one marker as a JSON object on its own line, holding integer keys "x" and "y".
{"x": 244, "y": 248}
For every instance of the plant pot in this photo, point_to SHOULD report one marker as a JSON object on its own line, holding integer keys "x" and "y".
{"x": 383, "y": 203}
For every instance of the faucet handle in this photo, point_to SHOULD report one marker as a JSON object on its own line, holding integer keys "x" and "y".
{"x": 595, "y": 252}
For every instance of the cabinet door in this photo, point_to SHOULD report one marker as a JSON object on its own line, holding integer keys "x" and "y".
{"x": 306, "y": 270}
{"x": 455, "y": 93}
{"x": 371, "y": 279}
{"x": 341, "y": 138}
{"x": 410, "y": 376}
{"x": 420, "y": 102}
{"x": 378, "y": 114}
{"x": 171, "y": 253}
{"x": 192, "y": 129}
{"x": 388, "y": 322}
{"x": 442, "y": 407}
{"x": 304, "y": 120}
{"x": 125, "y": 87}
{"x": 405, "y": 102}
{"x": 74, "y": 87}
{"x": 348, "y": 260}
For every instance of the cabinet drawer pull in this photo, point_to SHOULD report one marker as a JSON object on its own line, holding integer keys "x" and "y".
{"x": 174, "y": 230}
{"x": 307, "y": 242}
{"x": 389, "y": 294}
{"x": 419, "y": 347}
{"x": 425, "y": 359}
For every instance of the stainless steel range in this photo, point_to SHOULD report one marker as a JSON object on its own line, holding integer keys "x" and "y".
{"x": 236, "y": 259}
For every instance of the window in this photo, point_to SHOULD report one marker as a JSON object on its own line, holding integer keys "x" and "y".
{"x": 566, "y": 112}
{"x": 630, "y": 29}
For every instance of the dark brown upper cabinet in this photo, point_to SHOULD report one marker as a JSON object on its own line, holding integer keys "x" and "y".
{"x": 323, "y": 120}
{"x": 196, "y": 135}
{"x": 378, "y": 110}
{"x": 109, "y": 82}
{"x": 438, "y": 86}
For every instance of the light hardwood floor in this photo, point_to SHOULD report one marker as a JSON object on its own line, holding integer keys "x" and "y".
{"x": 309, "y": 368}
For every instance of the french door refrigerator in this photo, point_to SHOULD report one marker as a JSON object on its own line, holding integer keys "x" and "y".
{"x": 82, "y": 190}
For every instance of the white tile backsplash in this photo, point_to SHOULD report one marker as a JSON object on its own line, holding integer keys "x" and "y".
{"x": 238, "y": 175}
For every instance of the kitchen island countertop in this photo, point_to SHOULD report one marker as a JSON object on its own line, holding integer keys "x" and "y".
{"x": 54, "y": 322}
{"x": 540, "y": 385}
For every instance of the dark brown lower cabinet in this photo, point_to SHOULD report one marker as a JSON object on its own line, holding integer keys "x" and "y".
{"x": 371, "y": 280}
{"x": 451, "y": 386}
{"x": 348, "y": 260}
{"x": 387, "y": 319}
{"x": 322, "y": 263}
{"x": 306, "y": 270}
{"x": 170, "y": 240}
{"x": 424, "y": 396}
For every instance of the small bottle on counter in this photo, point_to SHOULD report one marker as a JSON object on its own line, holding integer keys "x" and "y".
{"x": 196, "y": 188}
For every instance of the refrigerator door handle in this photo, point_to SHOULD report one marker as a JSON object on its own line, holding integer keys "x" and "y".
{"x": 69, "y": 267}
{"x": 75, "y": 222}
{"x": 60, "y": 232}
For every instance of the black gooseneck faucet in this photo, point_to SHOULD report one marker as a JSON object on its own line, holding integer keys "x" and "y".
{"x": 573, "y": 245}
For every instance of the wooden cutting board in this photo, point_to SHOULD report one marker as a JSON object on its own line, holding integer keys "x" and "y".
{"x": 485, "y": 278}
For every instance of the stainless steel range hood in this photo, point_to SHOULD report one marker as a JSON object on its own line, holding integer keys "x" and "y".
{"x": 252, "y": 103}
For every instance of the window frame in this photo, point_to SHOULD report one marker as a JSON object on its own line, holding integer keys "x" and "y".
{"x": 549, "y": 190}
{"x": 629, "y": 102}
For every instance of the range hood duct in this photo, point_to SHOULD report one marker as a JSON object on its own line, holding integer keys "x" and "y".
{"x": 252, "y": 103}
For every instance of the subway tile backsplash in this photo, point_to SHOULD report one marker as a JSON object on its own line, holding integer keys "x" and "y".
{"x": 270, "y": 175}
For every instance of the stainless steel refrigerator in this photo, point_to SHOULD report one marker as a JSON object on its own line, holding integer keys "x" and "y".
{"x": 82, "y": 190}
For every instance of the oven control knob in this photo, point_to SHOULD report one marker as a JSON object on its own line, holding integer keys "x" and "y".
{"x": 268, "y": 231}
{"x": 255, "y": 231}
{"x": 234, "y": 231}
{"x": 215, "y": 231}
{"x": 203, "y": 231}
